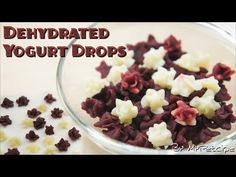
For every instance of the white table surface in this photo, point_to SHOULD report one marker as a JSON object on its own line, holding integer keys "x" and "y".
{"x": 35, "y": 77}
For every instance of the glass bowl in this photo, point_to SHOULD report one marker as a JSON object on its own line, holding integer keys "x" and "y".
{"x": 73, "y": 72}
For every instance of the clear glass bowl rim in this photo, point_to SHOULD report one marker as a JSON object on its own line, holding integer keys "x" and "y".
{"x": 114, "y": 146}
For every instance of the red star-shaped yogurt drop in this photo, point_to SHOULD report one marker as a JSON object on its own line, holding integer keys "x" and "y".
{"x": 184, "y": 114}
{"x": 222, "y": 72}
{"x": 132, "y": 82}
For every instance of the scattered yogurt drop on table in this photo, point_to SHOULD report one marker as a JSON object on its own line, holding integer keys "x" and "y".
{"x": 48, "y": 140}
{"x": 27, "y": 123}
{"x": 63, "y": 124}
{"x": 32, "y": 148}
{"x": 35, "y": 135}
{"x": 14, "y": 142}
{"x": 49, "y": 150}
{"x": 3, "y": 136}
